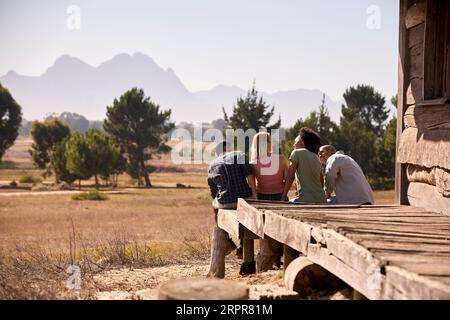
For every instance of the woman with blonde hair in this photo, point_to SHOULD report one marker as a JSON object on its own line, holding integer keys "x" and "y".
{"x": 269, "y": 171}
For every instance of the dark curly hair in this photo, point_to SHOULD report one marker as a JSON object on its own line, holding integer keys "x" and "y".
{"x": 310, "y": 138}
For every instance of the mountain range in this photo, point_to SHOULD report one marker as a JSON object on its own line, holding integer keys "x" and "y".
{"x": 71, "y": 85}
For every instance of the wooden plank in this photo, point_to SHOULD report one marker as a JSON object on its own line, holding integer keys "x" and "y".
{"x": 227, "y": 221}
{"x": 429, "y": 197}
{"x": 330, "y": 208}
{"x": 428, "y": 117}
{"x": 380, "y": 223}
{"x": 251, "y": 218}
{"x": 350, "y": 262}
{"x": 349, "y": 252}
{"x": 415, "y": 14}
{"x": 359, "y": 248}
{"x": 400, "y": 169}
{"x": 371, "y": 231}
{"x": 425, "y": 148}
{"x": 358, "y": 211}
{"x": 444, "y": 280}
{"x": 425, "y": 269}
{"x": 357, "y": 238}
{"x": 290, "y": 232}
{"x": 371, "y": 227}
{"x": 402, "y": 284}
{"x": 405, "y": 246}
{"x": 406, "y": 220}
{"x": 357, "y": 280}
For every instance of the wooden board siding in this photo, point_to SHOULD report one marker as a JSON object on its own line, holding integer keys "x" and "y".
{"x": 384, "y": 252}
{"x": 415, "y": 14}
{"x": 400, "y": 169}
{"x": 430, "y": 117}
{"x": 428, "y": 148}
{"x": 425, "y": 195}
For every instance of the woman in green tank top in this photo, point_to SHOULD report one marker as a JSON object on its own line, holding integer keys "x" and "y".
{"x": 306, "y": 169}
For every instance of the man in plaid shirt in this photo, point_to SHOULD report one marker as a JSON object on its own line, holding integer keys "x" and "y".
{"x": 227, "y": 180}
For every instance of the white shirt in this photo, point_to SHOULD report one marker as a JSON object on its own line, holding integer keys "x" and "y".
{"x": 345, "y": 177}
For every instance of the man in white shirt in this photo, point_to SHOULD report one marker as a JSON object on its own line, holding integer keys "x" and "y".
{"x": 344, "y": 177}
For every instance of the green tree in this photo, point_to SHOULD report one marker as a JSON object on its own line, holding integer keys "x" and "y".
{"x": 10, "y": 120}
{"x": 75, "y": 121}
{"x": 59, "y": 163}
{"x": 46, "y": 135}
{"x": 320, "y": 122}
{"x": 365, "y": 103}
{"x": 394, "y": 100}
{"x": 139, "y": 127}
{"x": 91, "y": 154}
{"x": 251, "y": 112}
{"x": 384, "y": 164}
{"x": 358, "y": 142}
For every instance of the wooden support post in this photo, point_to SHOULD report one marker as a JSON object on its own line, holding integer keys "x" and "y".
{"x": 289, "y": 255}
{"x": 270, "y": 252}
{"x": 306, "y": 278}
{"x": 249, "y": 250}
{"x": 248, "y": 243}
{"x": 218, "y": 252}
{"x": 401, "y": 182}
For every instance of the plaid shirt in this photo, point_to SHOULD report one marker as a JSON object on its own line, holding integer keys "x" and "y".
{"x": 227, "y": 177}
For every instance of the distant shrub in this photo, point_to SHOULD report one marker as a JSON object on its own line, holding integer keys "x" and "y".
{"x": 8, "y": 165}
{"x": 381, "y": 184}
{"x": 90, "y": 195}
{"x": 29, "y": 179}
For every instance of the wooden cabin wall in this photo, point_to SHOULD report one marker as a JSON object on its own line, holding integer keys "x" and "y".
{"x": 423, "y": 131}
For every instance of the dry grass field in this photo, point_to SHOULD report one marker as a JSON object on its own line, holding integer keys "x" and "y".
{"x": 42, "y": 233}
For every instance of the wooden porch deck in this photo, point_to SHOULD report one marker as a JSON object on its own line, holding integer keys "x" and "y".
{"x": 384, "y": 252}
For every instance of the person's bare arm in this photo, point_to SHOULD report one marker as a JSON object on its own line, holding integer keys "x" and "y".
{"x": 289, "y": 179}
{"x": 251, "y": 180}
{"x": 285, "y": 164}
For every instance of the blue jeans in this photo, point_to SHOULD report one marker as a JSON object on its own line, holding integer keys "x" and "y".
{"x": 271, "y": 197}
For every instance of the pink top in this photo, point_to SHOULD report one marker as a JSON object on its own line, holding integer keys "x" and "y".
{"x": 269, "y": 173}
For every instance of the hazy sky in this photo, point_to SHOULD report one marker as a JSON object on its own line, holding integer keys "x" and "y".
{"x": 283, "y": 44}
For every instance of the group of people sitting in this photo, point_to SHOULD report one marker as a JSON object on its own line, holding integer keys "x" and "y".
{"x": 322, "y": 176}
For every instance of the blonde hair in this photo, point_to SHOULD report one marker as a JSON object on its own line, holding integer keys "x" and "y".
{"x": 256, "y": 144}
